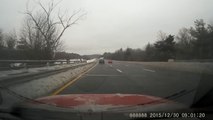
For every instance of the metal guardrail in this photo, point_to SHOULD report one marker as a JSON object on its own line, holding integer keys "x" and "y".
{"x": 16, "y": 64}
{"x": 27, "y": 74}
{"x": 37, "y": 61}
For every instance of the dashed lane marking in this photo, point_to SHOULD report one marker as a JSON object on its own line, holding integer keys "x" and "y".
{"x": 119, "y": 70}
{"x": 102, "y": 75}
{"x": 149, "y": 70}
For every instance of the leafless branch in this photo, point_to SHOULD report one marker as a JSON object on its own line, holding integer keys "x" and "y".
{"x": 44, "y": 25}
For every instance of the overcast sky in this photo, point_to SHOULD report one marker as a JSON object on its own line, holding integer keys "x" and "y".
{"x": 113, "y": 24}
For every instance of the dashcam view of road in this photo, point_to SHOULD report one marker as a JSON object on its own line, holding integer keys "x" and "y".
{"x": 137, "y": 78}
{"x": 106, "y": 59}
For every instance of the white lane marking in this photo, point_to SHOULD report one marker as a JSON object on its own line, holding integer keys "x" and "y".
{"x": 110, "y": 65}
{"x": 100, "y": 75}
{"x": 119, "y": 70}
{"x": 149, "y": 70}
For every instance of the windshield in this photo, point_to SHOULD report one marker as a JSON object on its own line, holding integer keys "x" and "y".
{"x": 125, "y": 59}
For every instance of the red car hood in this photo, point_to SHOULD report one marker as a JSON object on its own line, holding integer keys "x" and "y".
{"x": 94, "y": 107}
{"x": 110, "y": 102}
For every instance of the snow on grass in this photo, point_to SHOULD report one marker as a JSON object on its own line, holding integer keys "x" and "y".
{"x": 44, "y": 86}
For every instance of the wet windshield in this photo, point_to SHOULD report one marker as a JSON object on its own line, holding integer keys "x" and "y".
{"x": 139, "y": 58}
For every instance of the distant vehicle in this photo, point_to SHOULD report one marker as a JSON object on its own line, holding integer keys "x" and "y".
{"x": 101, "y": 61}
{"x": 110, "y": 61}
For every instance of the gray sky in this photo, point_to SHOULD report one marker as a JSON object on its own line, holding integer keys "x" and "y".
{"x": 113, "y": 24}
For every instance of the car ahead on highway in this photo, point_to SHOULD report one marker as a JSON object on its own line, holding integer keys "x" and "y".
{"x": 113, "y": 67}
{"x": 110, "y": 61}
{"x": 101, "y": 61}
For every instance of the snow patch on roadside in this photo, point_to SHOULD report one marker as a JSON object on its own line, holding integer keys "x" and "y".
{"x": 44, "y": 86}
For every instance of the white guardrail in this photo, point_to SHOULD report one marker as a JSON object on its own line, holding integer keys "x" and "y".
{"x": 20, "y": 69}
{"x": 16, "y": 64}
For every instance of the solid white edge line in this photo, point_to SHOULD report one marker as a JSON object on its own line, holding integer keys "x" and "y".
{"x": 148, "y": 70}
{"x": 119, "y": 70}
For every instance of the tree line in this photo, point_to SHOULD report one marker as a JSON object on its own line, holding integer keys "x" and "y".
{"x": 39, "y": 37}
{"x": 190, "y": 43}
{"x": 11, "y": 49}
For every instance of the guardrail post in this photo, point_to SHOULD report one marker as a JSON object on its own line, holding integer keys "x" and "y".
{"x": 25, "y": 67}
{"x": 48, "y": 64}
{"x": 68, "y": 61}
{"x": 1, "y": 99}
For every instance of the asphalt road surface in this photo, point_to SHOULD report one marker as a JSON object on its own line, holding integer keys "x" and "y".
{"x": 135, "y": 78}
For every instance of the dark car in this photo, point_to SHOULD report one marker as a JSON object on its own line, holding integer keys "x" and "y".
{"x": 101, "y": 61}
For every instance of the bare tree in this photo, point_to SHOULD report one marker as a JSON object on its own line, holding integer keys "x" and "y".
{"x": 183, "y": 37}
{"x": 11, "y": 39}
{"x": 184, "y": 44}
{"x": 1, "y": 39}
{"x": 30, "y": 36}
{"x": 42, "y": 31}
{"x": 161, "y": 35}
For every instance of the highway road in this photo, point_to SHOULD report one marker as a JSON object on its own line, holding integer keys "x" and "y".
{"x": 135, "y": 78}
